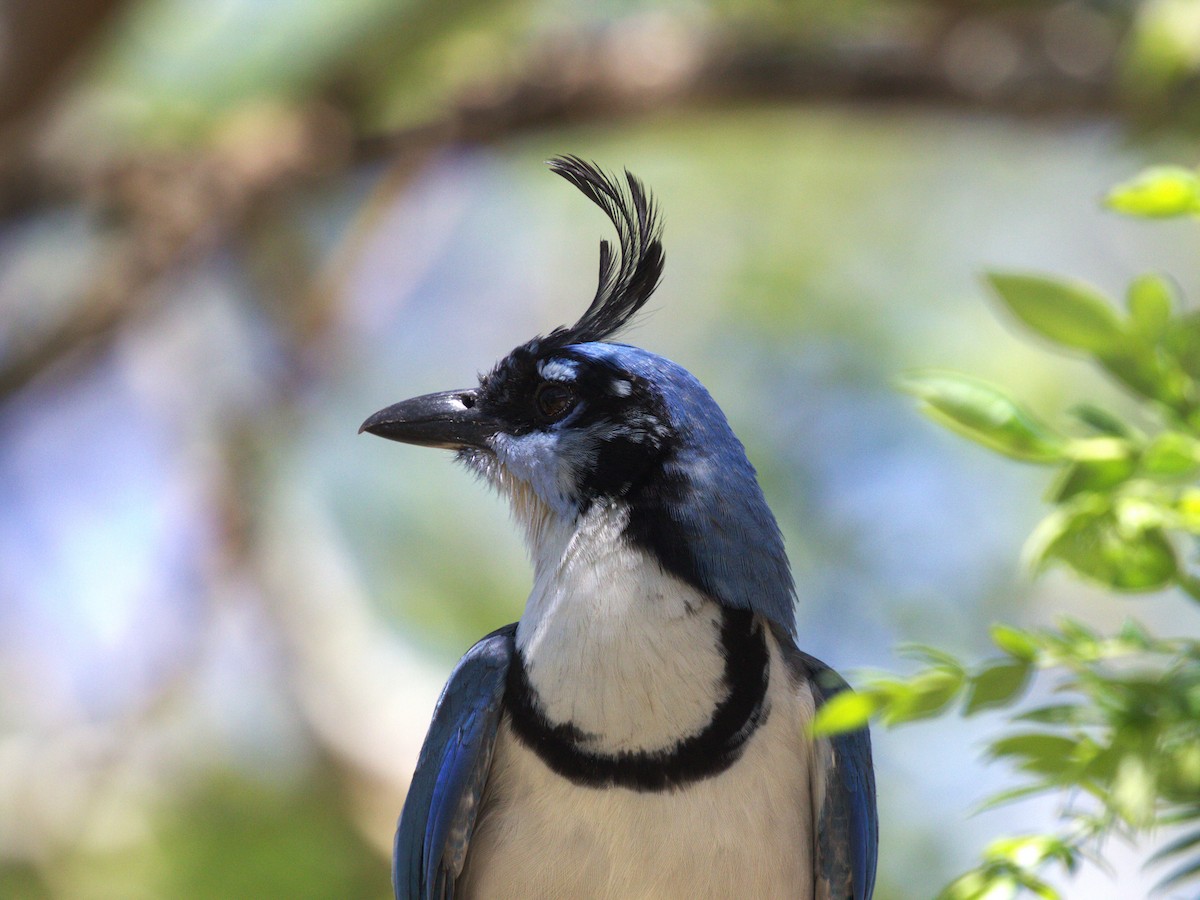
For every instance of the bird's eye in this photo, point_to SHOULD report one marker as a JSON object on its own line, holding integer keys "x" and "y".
{"x": 553, "y": 400}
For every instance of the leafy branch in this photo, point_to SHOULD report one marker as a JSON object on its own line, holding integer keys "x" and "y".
{"x": 1120, "y": 742}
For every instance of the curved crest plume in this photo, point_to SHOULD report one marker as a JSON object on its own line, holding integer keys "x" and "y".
{"x": 627, "y": 280}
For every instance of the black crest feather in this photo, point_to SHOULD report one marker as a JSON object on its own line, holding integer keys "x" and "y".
{"x": 628, "y": 279}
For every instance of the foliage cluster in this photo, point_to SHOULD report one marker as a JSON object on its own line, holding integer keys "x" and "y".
{"x": 1119, "y": 743}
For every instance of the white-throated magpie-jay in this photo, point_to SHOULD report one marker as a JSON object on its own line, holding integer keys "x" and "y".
{"x": 642, "y": 731}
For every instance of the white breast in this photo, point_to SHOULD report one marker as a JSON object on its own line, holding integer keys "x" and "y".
{"x": 747, "y": 832}
{"x": 630, "y": 654}
{"x": 615, "y": 645}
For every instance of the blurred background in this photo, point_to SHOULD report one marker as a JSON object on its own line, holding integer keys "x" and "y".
{"x": 231, "y": 229}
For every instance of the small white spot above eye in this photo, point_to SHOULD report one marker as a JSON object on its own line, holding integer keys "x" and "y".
{"x": 620, "y": 388}
{"x": 557, "y": 370}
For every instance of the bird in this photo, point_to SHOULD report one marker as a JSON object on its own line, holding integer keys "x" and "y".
{"x": 644, "y": 729}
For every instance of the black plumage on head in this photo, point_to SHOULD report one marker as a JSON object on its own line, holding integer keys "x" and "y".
{"x": 627, "y": 280}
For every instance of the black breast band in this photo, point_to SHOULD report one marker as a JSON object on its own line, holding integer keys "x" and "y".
{"x": 708, "y": 752}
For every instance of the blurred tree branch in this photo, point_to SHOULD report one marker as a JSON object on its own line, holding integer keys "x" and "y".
{"x": 165, "y": 211}
{"x": 988, "y": 63}
{"x": 169, "y": 208}
{"x": 42, "y": 42}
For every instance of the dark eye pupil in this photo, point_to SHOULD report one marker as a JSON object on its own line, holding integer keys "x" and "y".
{"x": 554, "y": 400}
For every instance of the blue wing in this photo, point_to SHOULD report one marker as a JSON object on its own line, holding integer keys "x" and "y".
{"x": 443, "y": 799}
{"x": 847, "y": 839}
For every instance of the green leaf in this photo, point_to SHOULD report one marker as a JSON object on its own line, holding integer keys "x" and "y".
{"x": 984, "y": 414}
{"x": 1098, "y": 464}
{"x": 1015, "y": 642}
{"x": 1038, "y": 752}
{"x": 1158, "y": 192}
{"x": 1182, "y": 341}
{"x": 1077, "y": 634}
{"x": 1080, "y": 477}
{"x": 1135, "y": 635}
{"x": 1103, "y": 422}
{"x": 981, "y": 884}
{"x": 1058, "y": 714}
{"x": 1150, "y": 299}
{"x": 1074, "y": 515}
{"x": 1069, "y": 313}
{"x": 1038, "y": 887}
{"x": 846, "y": 711}
{"x": 1134, "y": 791}
{"x": 1171, "y": 455}
{"x": 1031, "y": 850}
{"x": 925, "y": 694}
{"x": 930, "y": 656}
{"x": 1144, "y": 563}
{"x": 1146, "y": 372}
{"x": 1182, "y": 765}
{"x": 1129, "y": 553}
{"x": 998, "y": 685}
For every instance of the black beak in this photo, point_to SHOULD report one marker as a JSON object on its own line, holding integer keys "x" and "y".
{"x": 451, "y": 419}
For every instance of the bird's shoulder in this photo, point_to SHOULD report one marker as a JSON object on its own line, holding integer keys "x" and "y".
{"x": 806, "y": 669}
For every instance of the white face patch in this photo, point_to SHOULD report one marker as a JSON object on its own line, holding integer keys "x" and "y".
{"x": 619, "y": 387}
{"x": 558, "y": 369}
{"x": 550, "y": 463}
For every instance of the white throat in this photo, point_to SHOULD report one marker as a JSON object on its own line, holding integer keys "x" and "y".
{"x": 613, "y": 644}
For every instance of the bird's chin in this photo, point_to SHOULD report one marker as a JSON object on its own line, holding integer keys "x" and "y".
{"x": 487, "y": 467}
{"x": 528, "y": 509}
{"x": 484, "y": 465}
{"x": 477, "y": 459}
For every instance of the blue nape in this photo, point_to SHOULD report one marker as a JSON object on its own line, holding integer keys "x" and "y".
{"x": 716, "y": 511}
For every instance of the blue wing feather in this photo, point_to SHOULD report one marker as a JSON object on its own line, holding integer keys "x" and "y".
{"x": 856, "y": 780}
{"x": 443, "y": 799}
{"x": 847, "y": 839}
